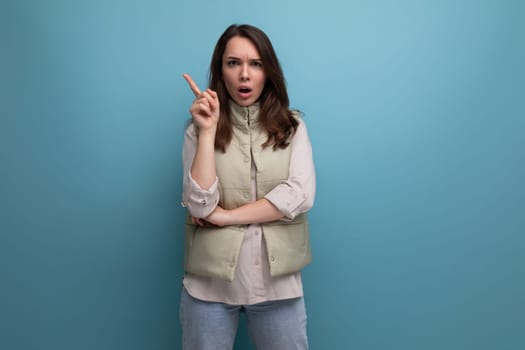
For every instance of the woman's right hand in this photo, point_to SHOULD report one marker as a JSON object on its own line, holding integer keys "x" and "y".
{"x": 205, "y": 109}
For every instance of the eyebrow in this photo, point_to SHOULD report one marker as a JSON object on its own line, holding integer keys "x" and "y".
{"x": 237, "y": 58}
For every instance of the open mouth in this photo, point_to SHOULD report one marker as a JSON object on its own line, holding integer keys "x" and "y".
{"x": 245, "y": 90}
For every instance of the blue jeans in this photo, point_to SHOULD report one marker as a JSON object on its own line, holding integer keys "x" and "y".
{"x": 273, "y": 325}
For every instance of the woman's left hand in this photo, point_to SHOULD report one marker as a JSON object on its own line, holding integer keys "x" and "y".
{"x": 197, "y": 221}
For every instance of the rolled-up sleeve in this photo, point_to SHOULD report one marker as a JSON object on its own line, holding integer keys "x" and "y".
{"x": 296, "y": 195}
{"x": 199, "y": 202}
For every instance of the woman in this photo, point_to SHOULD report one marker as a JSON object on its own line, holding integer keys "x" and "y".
{"x": 249, "y": 180}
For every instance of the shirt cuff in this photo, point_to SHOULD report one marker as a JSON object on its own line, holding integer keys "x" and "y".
{"x": 198, "y": 201}
{"x": 286, "y": 200}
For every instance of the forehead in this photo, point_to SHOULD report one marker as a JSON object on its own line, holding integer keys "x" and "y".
{"x": 241, "y": 47}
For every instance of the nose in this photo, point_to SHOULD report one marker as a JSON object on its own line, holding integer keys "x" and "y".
{"x": 245, "y": 72}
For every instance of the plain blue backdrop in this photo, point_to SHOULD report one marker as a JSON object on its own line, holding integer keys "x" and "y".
{"x": 416, "y": 114}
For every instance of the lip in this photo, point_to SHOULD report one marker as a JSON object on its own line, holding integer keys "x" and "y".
{"x": 244, "y": 95}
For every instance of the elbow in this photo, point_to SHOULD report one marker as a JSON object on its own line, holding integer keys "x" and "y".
{"x": 309, "y": 197}
{"x": 308, "y": 203}
{"x": 199, "y": 202}
{"x": 303, "y": 204}
{"x": 200, "y": 206}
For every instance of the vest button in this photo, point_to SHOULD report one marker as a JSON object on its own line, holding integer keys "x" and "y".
{"x": 272, "y": 258}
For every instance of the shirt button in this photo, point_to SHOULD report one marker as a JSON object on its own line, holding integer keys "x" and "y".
{"x": 257, "y": 263}
{"x": 246, "y": 159}
{"x": 272, "y": 258}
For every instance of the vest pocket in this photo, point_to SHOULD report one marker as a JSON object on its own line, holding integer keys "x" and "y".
{"x": 288, "y": 246}
{"x": 212, "y": 251}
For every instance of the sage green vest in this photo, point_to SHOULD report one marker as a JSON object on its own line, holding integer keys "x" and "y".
{"x": 213, "y": 251}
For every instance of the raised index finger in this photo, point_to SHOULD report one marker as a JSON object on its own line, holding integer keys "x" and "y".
{"x": 193, "y": 85}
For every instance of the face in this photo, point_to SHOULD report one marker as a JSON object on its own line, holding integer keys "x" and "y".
{"x": 243, "y": 71}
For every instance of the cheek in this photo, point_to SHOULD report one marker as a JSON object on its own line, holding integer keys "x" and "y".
{"x": 227, "y": 80}
{"x": 262, "y": 81}
{"x": 228, "y": 85}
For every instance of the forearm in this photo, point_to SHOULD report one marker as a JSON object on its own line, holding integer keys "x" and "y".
{"x": 205, "y": 112}
{"x": 252, "y": 213}
{"x": 203, "y": 166}
{"x": 255, "y": 213}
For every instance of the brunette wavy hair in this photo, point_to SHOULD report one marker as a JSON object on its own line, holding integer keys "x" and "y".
{"x": 275, "y": 116}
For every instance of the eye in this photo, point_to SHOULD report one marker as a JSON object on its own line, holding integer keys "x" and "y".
{"x": 257, "y": 64}
{"x": 231, "y": 63}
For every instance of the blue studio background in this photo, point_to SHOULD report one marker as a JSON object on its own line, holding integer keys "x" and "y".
{"x": 417, "y": 116}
